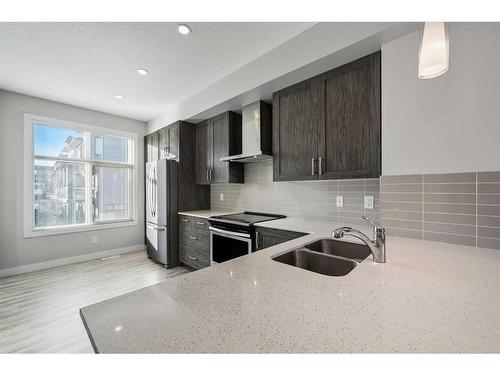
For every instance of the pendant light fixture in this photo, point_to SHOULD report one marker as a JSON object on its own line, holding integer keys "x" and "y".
{"x": 433, "y": 56}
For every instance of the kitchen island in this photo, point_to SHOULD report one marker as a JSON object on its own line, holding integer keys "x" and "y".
{"x": 428, "y": 297}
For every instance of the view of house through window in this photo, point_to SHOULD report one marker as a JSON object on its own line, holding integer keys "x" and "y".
{"x": 80, "y": 177}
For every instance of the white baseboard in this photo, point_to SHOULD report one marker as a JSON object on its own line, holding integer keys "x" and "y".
{"x": 65, "y": 261}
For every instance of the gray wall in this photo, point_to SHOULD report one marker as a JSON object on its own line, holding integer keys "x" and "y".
{"x": 449, "y": 123}
{"x": 14, "y": 249}
{"x": 314, "y": 199}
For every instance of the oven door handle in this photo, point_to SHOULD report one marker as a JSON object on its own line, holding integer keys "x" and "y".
{"x": 222, "y": 231}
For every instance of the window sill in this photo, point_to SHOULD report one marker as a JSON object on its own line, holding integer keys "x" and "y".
{"x": 78, "y": 228}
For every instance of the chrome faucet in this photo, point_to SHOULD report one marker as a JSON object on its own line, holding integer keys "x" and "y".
{"x": 376, "y": 245}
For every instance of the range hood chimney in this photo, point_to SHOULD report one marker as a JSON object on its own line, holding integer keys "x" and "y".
{"x": 256, "y": 134}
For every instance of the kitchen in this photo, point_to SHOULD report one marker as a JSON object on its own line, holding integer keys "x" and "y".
{"x": 343, "y": 199}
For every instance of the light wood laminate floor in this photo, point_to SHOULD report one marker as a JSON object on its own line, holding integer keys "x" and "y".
{"x": 39, "y": 311}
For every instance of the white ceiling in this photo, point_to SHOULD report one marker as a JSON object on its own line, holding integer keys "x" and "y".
{"x": 85, "y": 64}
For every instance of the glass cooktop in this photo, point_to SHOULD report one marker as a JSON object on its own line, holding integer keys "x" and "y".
{"x": 246, "y": 218}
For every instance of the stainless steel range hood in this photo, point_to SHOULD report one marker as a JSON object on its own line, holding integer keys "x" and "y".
{"x": 256, "y": 134}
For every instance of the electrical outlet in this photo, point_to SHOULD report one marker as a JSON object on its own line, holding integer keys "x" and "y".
{"x": 94, "y": 240}
{"x": 369, "y": 202}
{"x": 221, "y": 197}
{"x": 340, "y": 201}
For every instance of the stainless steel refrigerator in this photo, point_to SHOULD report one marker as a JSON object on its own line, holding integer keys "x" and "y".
{"x": 161, "y": 211}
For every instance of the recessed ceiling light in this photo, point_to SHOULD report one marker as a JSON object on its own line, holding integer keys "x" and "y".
{"x": 119, "y": 97}
{"x": 183, "y": 29}
{"x": 142, "y": 72}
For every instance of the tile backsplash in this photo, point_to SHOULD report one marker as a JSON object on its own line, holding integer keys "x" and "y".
{"x": 315, "y": 199}
{"x": 461, "y": 208}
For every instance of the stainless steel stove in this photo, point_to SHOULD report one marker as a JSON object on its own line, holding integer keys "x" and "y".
{"x": 233, "y": 235}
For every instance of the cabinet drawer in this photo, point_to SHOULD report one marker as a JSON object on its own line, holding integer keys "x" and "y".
{"x": 200, "y": 226}
{"x": 185, "y": 220}
{"x": 192, "y": 226}
{"x": 194, "y": 241}
{"x": 195, "y": 253}
{"x": 185, "y": 226}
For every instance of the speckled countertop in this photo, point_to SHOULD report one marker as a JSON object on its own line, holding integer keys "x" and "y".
{"x": 428, "y": 297}
{"x": 296, "y": 224}
{"x": 207, "y": 213}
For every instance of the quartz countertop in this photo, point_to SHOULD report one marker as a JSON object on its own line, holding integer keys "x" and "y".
{"x": 304, "y": 225}
{"x": 296, "y": 224}
{"x": 428, "y": 297}
{"x": 207, "y": 213}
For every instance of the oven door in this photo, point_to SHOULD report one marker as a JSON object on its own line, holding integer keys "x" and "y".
{"x": 227, "y": 245}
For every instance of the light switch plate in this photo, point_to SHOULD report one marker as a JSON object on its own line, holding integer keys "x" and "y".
{"x": 340, "y": 201}
{"x": 369, "y": 202}
{"x": 221, "y": 197}
{"x": 94, "y": 240}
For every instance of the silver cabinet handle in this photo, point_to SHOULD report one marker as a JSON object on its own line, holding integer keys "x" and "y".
{"x": 208, "y": 175}
{"x": 185, "y": 220}
{"x": 192, "y": 257}
{"x": 257, "y": 241}
{"x": 193, "y": 238}
{"x": 320, "y": 161}
{"x": 312, "y": 167}
{"x": 201, "y": 223}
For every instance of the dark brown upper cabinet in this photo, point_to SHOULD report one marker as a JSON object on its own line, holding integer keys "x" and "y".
{"x": 151, "y": 147}
{"x": 218, "y": 137}
{"x": 203, "y": 164}
{"x": 178, "y": 142}
{"x": 329, "y": 126}
{"x": 349, "y": 120}
{"x": 295, "y": 132}
{"x": 168, "y": 142}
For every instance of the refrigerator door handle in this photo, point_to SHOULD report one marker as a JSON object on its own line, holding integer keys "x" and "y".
{"x": 151, "y": 187}
{"x": 148, "y": 184}
{"x": 153, "y": 192}
{"x": 155, "y": 227}
{"x": 156, "y": 193}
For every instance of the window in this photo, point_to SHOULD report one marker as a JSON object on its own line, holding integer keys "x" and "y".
{"x": 77, "y": 177}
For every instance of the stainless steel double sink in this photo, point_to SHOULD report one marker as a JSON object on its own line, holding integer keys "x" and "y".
{"x": 326, "y": 256}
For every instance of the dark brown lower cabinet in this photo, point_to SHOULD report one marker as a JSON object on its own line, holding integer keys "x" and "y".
{"x": 267, "y": 237}
{"x": 194, "y": 242}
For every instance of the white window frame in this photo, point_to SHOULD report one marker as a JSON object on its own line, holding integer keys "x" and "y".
{"x": 28, "y": 167}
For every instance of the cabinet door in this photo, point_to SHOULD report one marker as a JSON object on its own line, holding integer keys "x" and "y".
{"x": 173, "y": 142}
{"x": 220, "y": 138}
{"x": 268, "y": 240}
{"x": 350, "y": 120}
{"x": 295, "y": 132}
{"x": 151, "y": 144}
{"x": 202, "y": 153}
{"x": 163, "y": 143}
{"x": 225, "y": 134}
{"x": 267, "y": 237}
